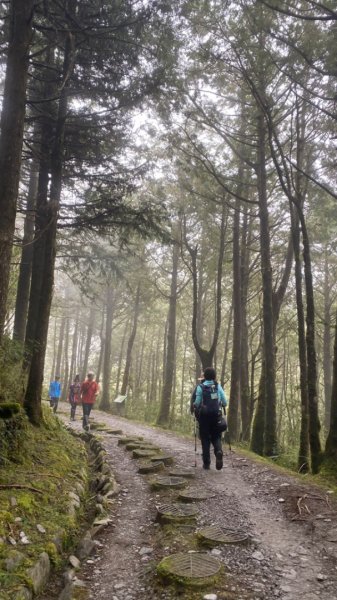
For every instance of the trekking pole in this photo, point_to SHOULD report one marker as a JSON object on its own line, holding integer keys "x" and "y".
{"x": 195, "y": 442}
{"x": 229, "y": 446}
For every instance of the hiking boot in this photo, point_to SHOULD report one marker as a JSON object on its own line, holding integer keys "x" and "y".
{"x": 207, "y": 467}
{"x": 218, "y": 460}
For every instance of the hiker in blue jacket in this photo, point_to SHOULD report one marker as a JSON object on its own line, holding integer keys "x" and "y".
{"x": 54, "y": 393}
{"x": 210, "y": 399}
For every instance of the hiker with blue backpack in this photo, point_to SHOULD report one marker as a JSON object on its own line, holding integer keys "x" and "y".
{"x": 209, "y": 401}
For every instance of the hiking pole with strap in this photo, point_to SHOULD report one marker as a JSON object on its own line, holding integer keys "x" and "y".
{"x": 195, "y": 442}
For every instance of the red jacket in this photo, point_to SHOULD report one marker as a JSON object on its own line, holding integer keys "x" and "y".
{"x": 89, "y": 390}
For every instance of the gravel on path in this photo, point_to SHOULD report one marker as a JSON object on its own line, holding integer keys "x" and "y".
{"x": 285, "y": 559}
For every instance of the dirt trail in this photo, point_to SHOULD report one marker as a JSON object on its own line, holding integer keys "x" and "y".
{"x": 286, "y": 559}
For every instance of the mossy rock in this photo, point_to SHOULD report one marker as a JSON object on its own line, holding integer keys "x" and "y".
{"x": 141, "y": 446}
{"x": 195, "y": 495}
{"x": 182, "y": 472}
{"x": 176, "y": 513}
{"x": 144, "y": 453}
{"x": 160, "y": 483}
{"x": 167, "y": 459}
{"x": 146, "y": 468}
{"x": 114, "y": 431}
{"x": 195, "y": 569}
{"x": 213, "y": 536}
{"x": 128, "y": 440}
{"x": 9, "y": 409}
{"x": 94, "y": 425}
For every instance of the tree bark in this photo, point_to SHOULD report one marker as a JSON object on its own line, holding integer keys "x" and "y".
{"x": 23, "y": 287}
{"x": 11, "y": 136}
{"x": 101, "y": 351}
{"x": 270, "y": 439}
{"x": 206, "y": 356}
{"x": 73, "y": 353}
{"x": 88, "y": 343}
{"x": 234, "y": 402}
{"x": 331, "y": 442}
{"x": 66, "y": 378}
{"x": 130, "y": 343}
{"x": 32, "y": 402}
{"x": 303, "y": 455}
{"x": 327, "y": 345}
{"x": 244, "y": 362}
{"x": 120, "y": 358}
{"x": 164, "y": 411}
{"x": 314, "y": 423}
{"x": 60, "y": 347}
{"x": 110, "y": 306}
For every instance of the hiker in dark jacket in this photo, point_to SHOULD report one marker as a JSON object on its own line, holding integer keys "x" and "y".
{"x": 74, "y": 396}
{"x": 210, "y": 399}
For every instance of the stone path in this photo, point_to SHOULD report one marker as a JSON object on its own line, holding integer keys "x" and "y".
{"x": 284, "y": 560}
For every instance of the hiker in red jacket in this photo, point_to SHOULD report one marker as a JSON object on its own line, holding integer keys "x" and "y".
{"x": 89, "y": 391}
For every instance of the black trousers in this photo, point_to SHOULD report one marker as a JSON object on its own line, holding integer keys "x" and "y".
{"x": 86, "y": 413}
{"x": 72, "y": 409}
{"x": 54, "y": 403}
{"x": 209, "y": 434}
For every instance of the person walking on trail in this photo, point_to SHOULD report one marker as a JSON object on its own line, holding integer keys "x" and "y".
{"x": 89, "y": 391}
{"x": 54, "y": 393}
{"x": 209, "y": 400}
{"x": 74, "y": 396}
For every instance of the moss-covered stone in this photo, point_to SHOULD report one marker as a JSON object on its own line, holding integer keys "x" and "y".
{"x": 45, "y": 468}
{"x": 196, "y": 570}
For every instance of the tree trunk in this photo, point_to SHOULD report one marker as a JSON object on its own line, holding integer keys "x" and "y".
{"x": 182, "y": 392}
{"x": 23, "y": 288}
{"x": 73, "y": 353}
{"x": 331, "y": 442}
{"x": 327, "y": 346}
{"x": 164, "y": 411}
{"x": 88, "y": 343}
{"x": 270, "y": 439}
{"x": 101, "y": 352}
{"x": 32, "y": 402}
{"x": 314, "y": 424}
{"x": 226, "y": 348}
{"x": 244, "y": 362}
{"x": 303, "y": 455}
{"x": 130, "y": 343}
{"x": 120, "y": 358}
{"x": 11, "y": 136}
{"x": 206, "y": 356}
{"x": 60, "y": 347}
{"x": 54, "y": 353}
{"x": 110, "y": 306}
{"x": 65, "y": 380}
{"x": 234, "y": 402}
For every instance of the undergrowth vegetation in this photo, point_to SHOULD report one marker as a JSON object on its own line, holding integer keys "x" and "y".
{"x": 35, "y": 483}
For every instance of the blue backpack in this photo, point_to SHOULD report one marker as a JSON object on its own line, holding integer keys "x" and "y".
{"x": 210, "y": 404}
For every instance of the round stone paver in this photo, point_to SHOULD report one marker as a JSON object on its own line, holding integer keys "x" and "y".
{"x": 214, "y": 535}
{"x": 168, "y": 482}
{"x": 182, "y": 472}
{"x": 151, "y": 468}
{"x": 176, "y": 513}
{"x": 193, "y": 569}
{"x": 144, "y": 453}
{"x": 195, "y": 495}
{"x": 167, "y": 459}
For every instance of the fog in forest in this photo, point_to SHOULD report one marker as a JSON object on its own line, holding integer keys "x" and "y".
{"x": 168, "y": 201}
